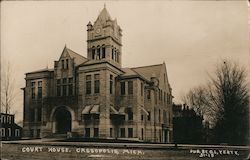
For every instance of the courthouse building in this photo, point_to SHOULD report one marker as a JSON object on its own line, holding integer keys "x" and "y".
{"x": 95, "y": 96}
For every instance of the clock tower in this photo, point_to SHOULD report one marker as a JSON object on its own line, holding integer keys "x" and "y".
{"x": 104, "y": 40}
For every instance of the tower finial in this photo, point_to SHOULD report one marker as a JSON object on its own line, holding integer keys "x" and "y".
{"x": 104, "y": 5}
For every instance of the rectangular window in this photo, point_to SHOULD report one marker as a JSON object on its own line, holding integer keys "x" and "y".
{"x": 130, "y": 87}
{"x": 17, "y": 133}
{"x": 58, "y": 81}
{"x": 142, "y": 134}
{"x": 33, "y": 94}
{"x": 111, "y": 84}
{"x": 58, "y": 90}
{"x": 32, "y": 133}
{"x": 130, "y": 132}
{"x": 148, "y": 94}
{"x": 87, "y": 132}
{"x": 39, "y": 114}
{"x": 40, "y": 90}
{"x": 149, "y": 116}
{"x": 159, "y": 115}
{"x": 165, "y": 97}
{"x": 142, "y": 117}
{"x": 32, "y": 115}
{"x": 62, "y": 64}
{"x": 64, "y": 90}
{"x": 122, "y": 88}
{"x": 70, "y": 80}
{"x": 67, "y": 63}
{"x": 96, "y": 132}
{"x": 88, "y": 84}
{"x": 141, "y": 89}
{"x": 111, "y": 132}
{"x": 64, "y": 80}
{"x": 97, "y": 83}
{"x": 9, "y": 132}
{"x": 70, "y": 89}
{"x": 2, "y": 132}
{"x": 112, "y": 53}
{"x": 122, "y": 131}
{"x": 130, "y": 114}
{"x": 38, "y": 133}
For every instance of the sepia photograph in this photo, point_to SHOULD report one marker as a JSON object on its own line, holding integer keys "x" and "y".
{"x": 125, "y": 79}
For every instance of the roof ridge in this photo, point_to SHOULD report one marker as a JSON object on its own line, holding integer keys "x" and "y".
{"x": 148, "y": 66}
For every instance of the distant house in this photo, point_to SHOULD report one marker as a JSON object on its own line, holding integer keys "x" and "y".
{"x": 187, "y": 125}
{"x": 9, "y": 129}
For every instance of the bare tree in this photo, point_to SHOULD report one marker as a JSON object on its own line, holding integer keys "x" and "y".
{"x": 7, "y": 88}
{"x": 224, "y": 101}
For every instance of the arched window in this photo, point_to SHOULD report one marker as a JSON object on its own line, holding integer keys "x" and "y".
{"x": 93, "y": 52}
{"x": 112, "y": 52}
{"x": 117, "y": 56}
{"x": 98, "y": 52}
{"x": 103, "y": 51}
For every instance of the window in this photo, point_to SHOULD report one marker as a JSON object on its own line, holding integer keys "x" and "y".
{"x": 117, "y": 57}
{"x": 141, "y": 89}
{"x": 97, "y": 83}
{"x": 98, "y": 53}
{"x": 17, "y": 132}
{"x": 130, "y": 114}
{"x": 58, "y": 81}
{"x": 64, "y": 90}
{"x": 130, "y": 87}
{"x": 93, "y": 53}
{"x": 58, "y": 90}
{"x": 103, "y": 52}
{"x": 142, "y": 133}
{"x": 40, "y": 90}
{"x": 88, "y": 84}
{"x": 32, "y": 115}
{"x": 38, "y": 133}
{"x": 9, "y": 132}
{"x": 70, "y": 89}
{"x": 62, "y": 64}
{"x": 96, "y": 116}
{"x": 112, "y": 53}
{"x": 96, "y": 132}
{"x": 111, "y": 84}
{"x": 148, "y": 94}
{"x": 149, "y": 116}
{"x": 159, "y": 115}
{"x": 2, "y": 132}
{"x": 122, "y": 88}
{"x": 122, "y": 131}
{"x": 67, "y": 63}
{"x": 33, "y": 94}
{"x": 64, "y": 80}
{"x": 111, "y": 132}
{"x": 32, "y": 133}
{"x": 39, "y": 114}
{"x": 142, "y": 117}
{"x": 87, "y": 132}
{"x": 130, "y": 132}
{"x": 164, "y": 97}
{"x": 70, "y": 80}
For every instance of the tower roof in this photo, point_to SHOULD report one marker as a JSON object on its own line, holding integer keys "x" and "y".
{"x": 104, "y": 15}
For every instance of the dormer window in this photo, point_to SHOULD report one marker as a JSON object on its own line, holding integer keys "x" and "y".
{"x": 98, "y": 53}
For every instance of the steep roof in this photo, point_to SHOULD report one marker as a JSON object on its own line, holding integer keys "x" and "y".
{"x": 148, "y": 71}
{"x": 104, "y": 15}
{"x": 79, "y": 59}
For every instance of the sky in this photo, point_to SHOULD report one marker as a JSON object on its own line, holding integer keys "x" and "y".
{"x": 189, "y": 36}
